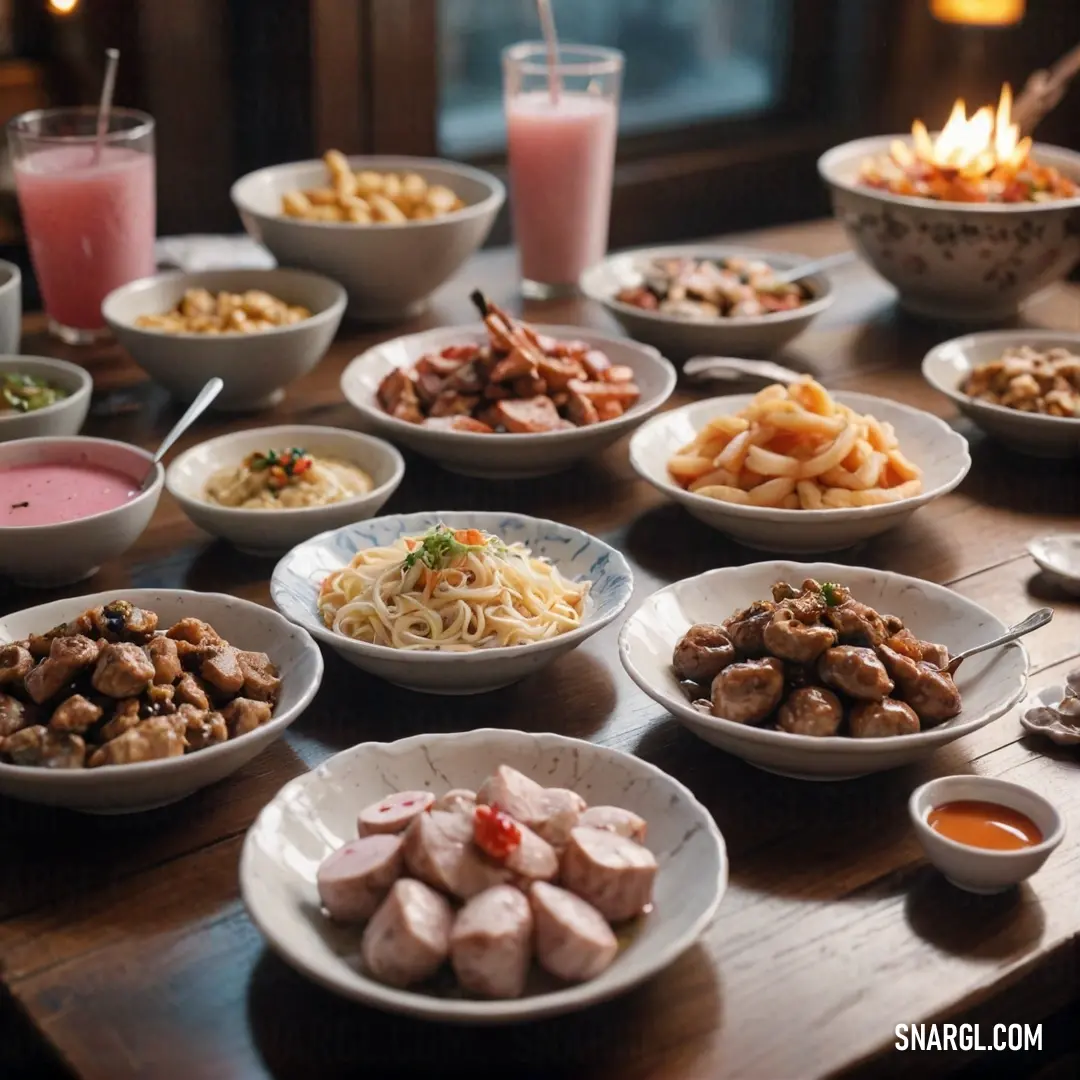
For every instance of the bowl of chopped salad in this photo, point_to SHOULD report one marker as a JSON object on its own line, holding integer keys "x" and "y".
{"x": 710, "y": 299}
{"x": 41, "y": 396}
{"x": 959, "y": 242}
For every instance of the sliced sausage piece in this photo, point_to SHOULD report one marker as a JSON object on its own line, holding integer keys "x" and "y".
{"x": 534, "y": 858}
{"x": 528, "y": 415}
{"x": 491, "y": 943}
{"x": 439, "y": 850}
{"x": 394, "y": 813}
{"x": 617, "y": 820}
{"x": 408, "y": 938}
{"x": 573, "y": 940}
{"x": 559, "y": 811}
{"x": 355, "y": 879}
{"x": 613, "y": 873}
{"x": 514, "y": 793}
{"x": 458, "y": 801}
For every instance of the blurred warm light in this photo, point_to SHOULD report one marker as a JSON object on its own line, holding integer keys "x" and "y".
{"x": 63, "y": 7}
{"x": 979, "y": 12}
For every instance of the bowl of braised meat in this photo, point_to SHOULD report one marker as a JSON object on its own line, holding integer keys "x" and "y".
{"x": 820, "y": 671}
{"x": 113, "y": 703}
{"x": 505, "y": 399}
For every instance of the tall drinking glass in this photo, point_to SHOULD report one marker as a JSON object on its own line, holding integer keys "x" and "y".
{"x": 562, "y": 155}
{"x": 89, "y": 212}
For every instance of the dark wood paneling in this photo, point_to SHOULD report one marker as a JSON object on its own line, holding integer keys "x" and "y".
{"x": 339, "y": 75}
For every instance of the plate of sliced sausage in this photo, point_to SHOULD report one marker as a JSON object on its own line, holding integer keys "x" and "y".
{"x": 483, "y": 877}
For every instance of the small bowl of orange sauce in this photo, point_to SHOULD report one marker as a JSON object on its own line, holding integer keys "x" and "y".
{"x": 985, "y": 835}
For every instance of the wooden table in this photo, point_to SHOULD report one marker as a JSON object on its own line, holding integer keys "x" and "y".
{"x": 124, "y": 941}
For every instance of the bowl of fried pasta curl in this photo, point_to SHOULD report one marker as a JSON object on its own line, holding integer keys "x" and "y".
{"x": 451, "y": 602}
{"x": 797, "y": 469}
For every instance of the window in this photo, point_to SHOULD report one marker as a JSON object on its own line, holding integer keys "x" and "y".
{"x": 688, "y": 62}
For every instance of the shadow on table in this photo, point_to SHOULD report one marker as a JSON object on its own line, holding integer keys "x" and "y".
{"x": 1004, "y": 479}
{"x": 301, "y": 1031}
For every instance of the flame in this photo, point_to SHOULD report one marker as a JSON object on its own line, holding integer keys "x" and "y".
{"x": 63, "y": 7}
{"x": 973, "y": 146}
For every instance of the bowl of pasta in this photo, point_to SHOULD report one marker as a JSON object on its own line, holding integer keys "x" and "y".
{"x": 452, "y": 602}
{"x": 266, "y": 489}
{"x": 796, "y": 469}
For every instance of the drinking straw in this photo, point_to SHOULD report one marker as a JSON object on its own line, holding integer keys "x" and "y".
{"x": 112, "y": 58}
{"x": 551, "y": 40}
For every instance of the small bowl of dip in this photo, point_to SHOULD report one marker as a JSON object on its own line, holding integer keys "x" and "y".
{"x": 69, "y": 504}
{"x": 268, "y": 489}
{"x": 40, "y": 396}
{"x": 985, "y": 835}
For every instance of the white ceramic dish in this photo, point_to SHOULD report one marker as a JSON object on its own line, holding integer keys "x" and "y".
{"x": 389, "y": 271}
{"x": 503, "y": 456}
{"x": 958, "y": 262}
{"x": 748, "y": 335}
{"x": 315, "y": 813}
{"x": 11, "y": 310}
{"x": 946, "y": 366}
{"x": 254, "y": 367}
{"x": 296, "y": 580}
{"x": 1058, "y": 556}
{"x": 65, "y": 417}
{"x": 263, "y": 532}
{"x": 990, "y": 683}
{"x": 929, "y": 442}
{"x": 48, "y": 555}
{"x": 1040, "y": 715}
{"x": 120, "y": 789}
{"x": 980, "y": 870}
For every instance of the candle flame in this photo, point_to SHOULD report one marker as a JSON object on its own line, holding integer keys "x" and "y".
{"x": 63, "y": 7}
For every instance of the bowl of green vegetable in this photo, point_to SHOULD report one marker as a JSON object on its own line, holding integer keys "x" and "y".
{"x": 42, "y": 396}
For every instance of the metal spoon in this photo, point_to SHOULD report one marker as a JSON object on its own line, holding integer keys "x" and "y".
{"x": 732, "y": 369}
{"x": 807, "y": 269}
{"x": 194, "y": 411}
{"x": 1032, "y": 622}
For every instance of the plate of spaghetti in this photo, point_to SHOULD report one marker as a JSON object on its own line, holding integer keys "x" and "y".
{"x": 452, "y": 602}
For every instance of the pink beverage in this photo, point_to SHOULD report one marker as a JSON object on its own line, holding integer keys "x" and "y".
{"x": 562, "y": 157}
{"x": 90, "y": 226}
{"x": 562, "y": 127}
{"x": 88, "y": 208}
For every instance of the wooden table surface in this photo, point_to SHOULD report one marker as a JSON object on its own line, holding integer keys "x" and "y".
{"x": 124, "y": 940}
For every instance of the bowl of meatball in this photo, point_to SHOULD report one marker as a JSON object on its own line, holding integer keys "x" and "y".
{"x": 482, "y": 877}
{"x": 113, "y": 703}
{"x": 819, "y": 671}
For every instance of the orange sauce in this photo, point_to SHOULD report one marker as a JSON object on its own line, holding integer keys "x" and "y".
{"x": 984, "y": 825}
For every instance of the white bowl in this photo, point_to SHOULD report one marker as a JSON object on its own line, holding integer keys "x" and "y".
{"x": 955, "y": 261}
{"x": 389, "y": 271}
{"x": 316, "y": 813}
{"x": 48, "y": 555}
{"x": 506, "y": 456}
{"x": 119, "y": 789}
{"x": 1037, "y": 715}
{"x": 579, "y": 556}
{"x": 946, "y": 366}
{"x": 66, "y": 416}
{"x": 10, "y": 307}
{"x": 990, "y": 683}
{"x": 980, "y": 870}
{"x": 930, "y": 443}
{"x": 1058, "y": 556}
{"x": 254, "y": 367}
{"x": 675, "y": 336}
{"x": 263, "y": 532}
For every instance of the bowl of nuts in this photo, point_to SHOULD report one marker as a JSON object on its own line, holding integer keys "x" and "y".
{"x": 258, "y": 330}
{"x": 390, "y": 229}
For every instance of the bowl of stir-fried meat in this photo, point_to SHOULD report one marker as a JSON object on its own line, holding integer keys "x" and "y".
{"x": 711, "y": 299}
{"x": 505, "y": 399}
{"x": 114, "y": 703}
{"x": 820, "y": 671}
{"x": 1022, "y": 387}
{"x": 958, "y": 261}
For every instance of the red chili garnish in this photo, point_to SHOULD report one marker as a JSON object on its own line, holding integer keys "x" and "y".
{"x": 496, "y": 833}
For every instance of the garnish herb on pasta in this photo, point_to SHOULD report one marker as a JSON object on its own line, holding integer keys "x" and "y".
{"x": 453, "y": 590}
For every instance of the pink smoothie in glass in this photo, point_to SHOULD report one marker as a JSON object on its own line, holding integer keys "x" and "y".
{"x": 46, "y": 493}
{"x": 561, "y": 162}
{"x": 90, "y": 225}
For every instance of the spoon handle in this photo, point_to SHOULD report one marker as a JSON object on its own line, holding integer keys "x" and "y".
{"x": 1032, "y": 622}
{"x": 828, "y": 262}
{"x": 732, "y": 367}
{"x": 205, "y": 396}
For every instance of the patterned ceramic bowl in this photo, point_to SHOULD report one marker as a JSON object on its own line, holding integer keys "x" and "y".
{"x": 578, "y": 556}
{"x": 956, "y": 261}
